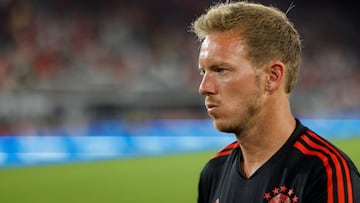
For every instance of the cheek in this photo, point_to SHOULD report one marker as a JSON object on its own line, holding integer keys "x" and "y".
{"x": 239, "y": 89}
{"x": 235, "y": 99}
{"x": 238, "y": 94}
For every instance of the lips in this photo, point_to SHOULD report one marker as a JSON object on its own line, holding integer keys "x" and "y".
{"x": 211, "y": 108}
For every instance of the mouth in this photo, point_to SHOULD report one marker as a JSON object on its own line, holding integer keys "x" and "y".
{"x": 211, "y": 108}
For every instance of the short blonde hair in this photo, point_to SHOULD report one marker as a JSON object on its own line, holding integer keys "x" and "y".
{"x": 266, "y": 31}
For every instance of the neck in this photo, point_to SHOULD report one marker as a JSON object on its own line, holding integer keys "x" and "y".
{"x": 263, "y": 140}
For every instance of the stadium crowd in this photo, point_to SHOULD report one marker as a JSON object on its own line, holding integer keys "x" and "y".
{"x": 53, "y": 48}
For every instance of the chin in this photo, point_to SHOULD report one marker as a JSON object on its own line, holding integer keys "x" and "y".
{"x": 236, "y": 127}
{"x": 224, "y": 127}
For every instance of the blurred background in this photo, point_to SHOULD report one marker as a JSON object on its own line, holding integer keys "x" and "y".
{"x": 108, "y": 79}
{"x": 105, "y": 68}
{"x": 73, "y": 63}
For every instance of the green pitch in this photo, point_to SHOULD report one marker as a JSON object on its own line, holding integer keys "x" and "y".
{"x": 152, "y": 180}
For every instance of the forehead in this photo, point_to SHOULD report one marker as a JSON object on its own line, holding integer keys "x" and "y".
{"x": 221, "y": 45}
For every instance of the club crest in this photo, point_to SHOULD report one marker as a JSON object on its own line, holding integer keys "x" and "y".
{"x": 281, "y": 195}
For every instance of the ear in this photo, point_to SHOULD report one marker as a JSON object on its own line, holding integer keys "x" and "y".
{"x": 275, "y": 76}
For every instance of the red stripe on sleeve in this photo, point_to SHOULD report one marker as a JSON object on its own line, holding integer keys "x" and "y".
{"x": 231, "y": 146}
{"x": 328, "y": 169}
{"x": 227, "y": 150}
{"x": 346, "y": 166}
{"x": 338, "y": 172}
{"x": 219, "y": 154}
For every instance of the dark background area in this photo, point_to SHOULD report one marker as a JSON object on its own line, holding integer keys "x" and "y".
{"x": 68, "y": 62}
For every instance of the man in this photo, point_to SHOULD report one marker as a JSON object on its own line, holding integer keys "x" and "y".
{"x": 249, "y": 60}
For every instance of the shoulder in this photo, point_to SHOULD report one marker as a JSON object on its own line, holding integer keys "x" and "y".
{"x": 313, "y": 145}
{"x": 227, "y": 150}
{"x": 220, "y": 159}
{"x": 214, "y": 169}
{"x": 329, "y": 164}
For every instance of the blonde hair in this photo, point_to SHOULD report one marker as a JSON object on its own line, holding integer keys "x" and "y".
{"x": 266, "y": 31}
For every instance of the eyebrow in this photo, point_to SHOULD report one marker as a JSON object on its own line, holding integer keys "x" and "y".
{"x": 215, "y": 65}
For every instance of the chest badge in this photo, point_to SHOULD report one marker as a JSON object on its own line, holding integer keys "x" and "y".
{"x": 281, "y": 195}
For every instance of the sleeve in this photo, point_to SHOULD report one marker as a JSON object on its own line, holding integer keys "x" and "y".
{"x": 335, "y": 182}
{"x": 334, "y": 178}
{"x": 209, "y": 178}
{"x": 355, "y": 181}
{"x": 204, "y": 186}
{"x": 356, "y": 185}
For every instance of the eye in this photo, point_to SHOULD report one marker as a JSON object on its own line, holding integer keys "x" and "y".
{"x": 202, "y": 72}
{"x": 220, "y": 70}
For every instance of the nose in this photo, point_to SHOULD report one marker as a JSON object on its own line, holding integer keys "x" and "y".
{"x": 206, "y": 86}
